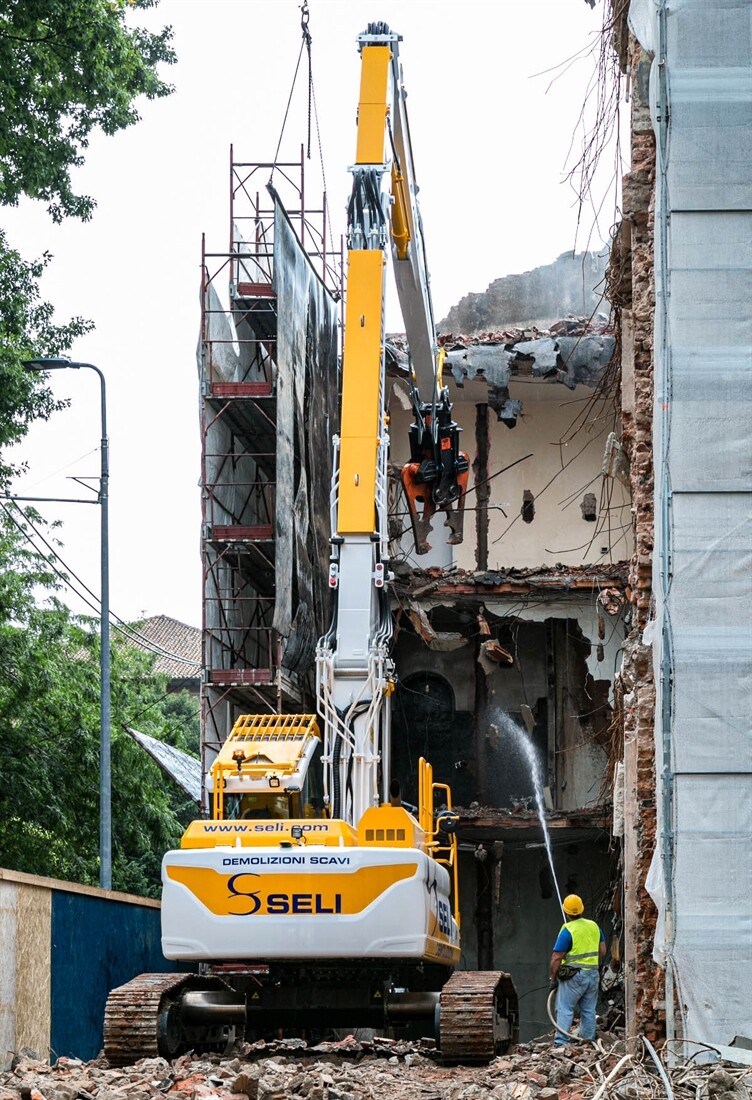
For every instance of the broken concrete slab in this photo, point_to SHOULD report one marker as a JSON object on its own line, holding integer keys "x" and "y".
{"x": 577, "y": 357}
{"x": 442, "y": 641}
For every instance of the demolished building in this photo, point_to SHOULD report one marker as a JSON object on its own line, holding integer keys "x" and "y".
{"x": 544, "y": 625}
{"x": 517, "y": 627}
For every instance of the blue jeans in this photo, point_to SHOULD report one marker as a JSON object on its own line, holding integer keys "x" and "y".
{"x": 582, "y": 990}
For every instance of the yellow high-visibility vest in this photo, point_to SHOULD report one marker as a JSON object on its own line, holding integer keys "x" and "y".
{"x": 586, "y": 939}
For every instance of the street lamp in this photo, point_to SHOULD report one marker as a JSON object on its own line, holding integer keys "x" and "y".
{"x": 105, "y": 776}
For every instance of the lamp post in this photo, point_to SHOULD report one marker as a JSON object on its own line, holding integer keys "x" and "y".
{"x": 105, "y": 775}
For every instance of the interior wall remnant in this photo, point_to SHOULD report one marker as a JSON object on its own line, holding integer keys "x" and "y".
{"x": 553, "y": 669}
{"x": 631, "y": 281}
{"x": 538, "y": 456}
{"x": 582, "y": 712}
{"x": 485, "y": 880}
{"x": 432, "y": 717}
{"x": 482, "y": 486}
{"x": 584, "y": 717}
{"x": 542, "y": 458}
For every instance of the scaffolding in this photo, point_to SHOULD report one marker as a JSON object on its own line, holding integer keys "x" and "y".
{"x": 238, "y": 369}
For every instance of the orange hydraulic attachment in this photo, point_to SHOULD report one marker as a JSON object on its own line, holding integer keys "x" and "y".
{"x": 422, "y": 506}
{"x": 436, "y": 477}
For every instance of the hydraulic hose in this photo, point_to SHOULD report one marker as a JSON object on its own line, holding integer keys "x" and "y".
{"x": 336, "y": 782}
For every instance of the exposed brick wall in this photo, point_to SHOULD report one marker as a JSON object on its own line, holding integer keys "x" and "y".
{"x": 633, "y": 279}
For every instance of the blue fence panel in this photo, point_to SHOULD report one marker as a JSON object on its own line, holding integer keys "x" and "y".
{"x": 97, "y": 944}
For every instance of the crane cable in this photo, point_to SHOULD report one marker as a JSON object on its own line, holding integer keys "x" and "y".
{"x": 306, "y": 43}
{"x": 304, "y": 17}
{"x": 313, "y": 115}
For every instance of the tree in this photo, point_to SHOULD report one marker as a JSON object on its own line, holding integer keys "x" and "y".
{"x": 49, "y": 714}
{"x": 67, "y": 67}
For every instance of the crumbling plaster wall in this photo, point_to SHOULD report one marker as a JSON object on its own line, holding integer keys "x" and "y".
{"x": 632, "y": 294}
{"x": 551, "y": 462}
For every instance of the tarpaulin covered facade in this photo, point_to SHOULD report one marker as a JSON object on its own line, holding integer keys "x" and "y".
{"x": 701, "y": 632}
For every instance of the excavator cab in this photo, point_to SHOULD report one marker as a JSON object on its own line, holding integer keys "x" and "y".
{"x": 254, "y": 806}
{"x": 264, "y": 770}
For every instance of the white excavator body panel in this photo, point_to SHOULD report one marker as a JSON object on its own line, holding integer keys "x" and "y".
{"x": 306, "y": 902}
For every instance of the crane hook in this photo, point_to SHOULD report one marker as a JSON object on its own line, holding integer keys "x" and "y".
{"x": 304, "y": 17}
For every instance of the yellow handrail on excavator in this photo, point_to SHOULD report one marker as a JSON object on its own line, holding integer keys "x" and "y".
{"x": 443, "y": 850}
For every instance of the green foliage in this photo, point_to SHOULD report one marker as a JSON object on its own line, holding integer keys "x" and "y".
{"x": 68, "y": 67}
{"x": 27, "y": 329}
{"x": 184, "y": 729}
{"x": 49, "y": 714}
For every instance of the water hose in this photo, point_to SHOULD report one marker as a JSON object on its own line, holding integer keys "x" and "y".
{"x": 560, "y": 1030}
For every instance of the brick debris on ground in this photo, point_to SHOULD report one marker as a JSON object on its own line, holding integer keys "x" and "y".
{"x": 381, "y": 1068}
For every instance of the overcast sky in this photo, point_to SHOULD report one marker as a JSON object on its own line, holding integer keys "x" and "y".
{"x": 491, "y": 138}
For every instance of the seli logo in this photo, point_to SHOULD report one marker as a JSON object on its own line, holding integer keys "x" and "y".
{"x": 278, "y": 902}
{"x": 294, "y": 889}
{"x": 445, "y": 917}
{"x": 250, "y": 827}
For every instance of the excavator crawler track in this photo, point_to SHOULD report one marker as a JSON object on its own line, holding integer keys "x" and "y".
{"x": 478, "y": 1016}
{"x": 142, "y": 1017}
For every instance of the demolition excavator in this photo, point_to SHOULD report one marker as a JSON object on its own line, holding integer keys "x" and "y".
{"x": 313, "y": 898}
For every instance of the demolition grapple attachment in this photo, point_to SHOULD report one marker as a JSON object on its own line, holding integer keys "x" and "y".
{"x": 435, "y": 478}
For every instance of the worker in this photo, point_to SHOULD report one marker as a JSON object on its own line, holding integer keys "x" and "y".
{"x": 576, "y": 957}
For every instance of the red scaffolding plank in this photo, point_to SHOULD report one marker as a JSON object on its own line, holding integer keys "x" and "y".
{"x": 230, "y": 677}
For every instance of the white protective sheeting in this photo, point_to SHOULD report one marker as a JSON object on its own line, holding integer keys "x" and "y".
{"x": 701, "y": 877}
{"x": 643, "y": 23}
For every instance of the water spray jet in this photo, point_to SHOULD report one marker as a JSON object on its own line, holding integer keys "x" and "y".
{"x": 524, "y": 740}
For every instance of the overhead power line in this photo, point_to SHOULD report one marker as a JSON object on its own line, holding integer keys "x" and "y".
{"x": 125, "y": 629}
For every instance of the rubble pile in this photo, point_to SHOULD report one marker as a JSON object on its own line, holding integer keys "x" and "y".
{"x": 598, "y": 325}
{"x": 376, "y": 1069}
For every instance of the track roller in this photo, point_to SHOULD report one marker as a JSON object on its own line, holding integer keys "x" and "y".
{"x": 162, "y": 1014}
{"x": 478, "y": 1016}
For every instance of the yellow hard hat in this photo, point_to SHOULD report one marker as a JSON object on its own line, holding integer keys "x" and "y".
{"x": 572, "y": 905}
